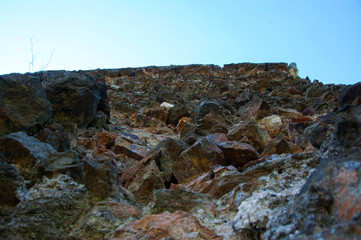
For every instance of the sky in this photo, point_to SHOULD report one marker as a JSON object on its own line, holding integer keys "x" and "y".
{"x": 322, "y": 36}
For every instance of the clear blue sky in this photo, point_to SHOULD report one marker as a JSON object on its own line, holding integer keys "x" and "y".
{"x": 322, "y": 36}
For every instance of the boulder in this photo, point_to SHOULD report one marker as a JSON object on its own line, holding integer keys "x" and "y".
{"x": 101, "y": 179}
{"x": 176, "y": 113}
{"x": 129, "y": 148}
{"x": 168, "y": 152}
{"x": 237, "y": 153}
{"x": 49, "y": 211}
{"x": 177, "y": 225}
{"x": 347, "y": 94}
{"x": 272, "y": 125}
{"x": 105, "y": 216}
{"x": 279, "y": 146}
{"x": 23, "y": 104}
{"x": 105, "y": 138}
{"x": 248, "y": 132}
{"x": 55, "y": 135}
{"x": 62, "y": 162}
{"x": 199, "y": 158}
{"x": 25, "y": 152}
{"x": 10, "y": 184}
{"x": 143, "y": 179}
{"x": 74, "y": 96}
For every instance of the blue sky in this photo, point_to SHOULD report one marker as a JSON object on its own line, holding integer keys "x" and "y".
{"x": 322, "y": 36}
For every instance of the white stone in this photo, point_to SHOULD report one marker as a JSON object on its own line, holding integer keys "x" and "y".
{"x": 167, "y": 105}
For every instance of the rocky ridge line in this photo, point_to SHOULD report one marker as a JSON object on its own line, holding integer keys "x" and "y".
{"x": 244, "y": 151}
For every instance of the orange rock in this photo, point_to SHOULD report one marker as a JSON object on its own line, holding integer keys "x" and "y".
{"x": 300, "y": 119}
{"x": 182, "y": 122}
{"x": 88, "y": 143}
{"x": 177, "y": 225}
{"x": 106, "y": 139}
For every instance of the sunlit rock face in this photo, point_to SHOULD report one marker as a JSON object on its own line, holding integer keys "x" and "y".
{"x": 243, "y": 151}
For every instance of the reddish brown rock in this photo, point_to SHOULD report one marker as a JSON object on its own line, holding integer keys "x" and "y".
{"x": 177, "y": 225}
{"x": 237, "y": 153}
{"x": 88, "y": 143}
{"x": 248, "y": 132}
{"x": 129, "y": 148}
{"x": 106, "y": 139}
{"x": 199, "y": 158}
{"x": 143, "y": 179}
{"x": 280, "y": 145}
{"x": 182, "y": 122}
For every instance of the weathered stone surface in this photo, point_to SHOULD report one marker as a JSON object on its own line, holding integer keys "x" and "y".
{"x": 55, "y": 135}
{"x": 101, "y": 221}
{"x": 25, "y": 152}
{"x": 105, "y": 138}
{"x": 347, "y": 94}
{"x": 63, "y": 162}
{"x": 10, "y": 184}
{"x": 248, "y": 132}
{"x": 49, "y": 211}
{"x": 168, "y": 152}
{"x": 182, "y": 200}
{"x": 176, "y": 113}
{"x": 143, "y": 179}
{"x": 219, "y": 108}
{"x": 23, "y": 104}
{"x": 74, "y": 96}
{"x": 177, "y": 225}
{"x": 271, "y": 125}
{"x": 101, "y": 179}
{"x": 331, "y": 194}
{"x": 237, "y": 153}
{"x": 279, "y": 146}
{"x": 267, "y": 187}
{"x": 122, "y": 145}
{"x": 199, "y": 158}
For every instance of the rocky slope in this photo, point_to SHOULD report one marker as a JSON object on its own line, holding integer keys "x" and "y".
{"x": 246, "y": 151}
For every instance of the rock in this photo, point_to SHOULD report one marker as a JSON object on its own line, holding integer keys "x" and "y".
{"x": 347, "y": 94}
{"x": 167, "y": 105}
{"x": 191, "y": 133}
{"x": 271, "y": 125}
{"x": 248, "y": 132}
{"x": 74, "y": 96}
{"x": 23, "y": 104}
{"x": 330, "y": 196}
{"x": 248, "y": 110}
{"x": 129, "y": 148}
{"x": 199, "y": 158}
{"x": 237, "y": 153}
{"x": 88, "y": 143}
{"x": 219, "y": 108}
{"x": 182, "y": 122}
{"x": 25, "y": 152}
{"x": 49, "y": 211}
{"x": 176, "y": 113}
{"x": 143, "y": 179}
{"x": 64, "y": 163}
{"x": 292, "y": 68}
{"x": 168, "y": 152}
{"x": 266, "y": 189}
{"x": 279, "y": 146}
{"x": 101, "y": 179}
{"x": 177, "y": 225}
{"x": 102, "y": 220}
{"x": 55, "y": 135}
{"x": 217, "y": 182}
{"x": 105, "y": 138}
{"x": 10, "y": 184}
{"x": 166, "y": 200}
{"x": 211, "y": 123}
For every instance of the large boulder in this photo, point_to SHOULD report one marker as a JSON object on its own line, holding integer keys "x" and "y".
{"x": 10, "y": 184}
{"x": 74, "y": 96}
{"x": 23, "y": 104}
{"x": 25, "y": 152}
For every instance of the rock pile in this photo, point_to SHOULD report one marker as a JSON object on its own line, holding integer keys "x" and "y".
{"x": 244, "y": 151}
